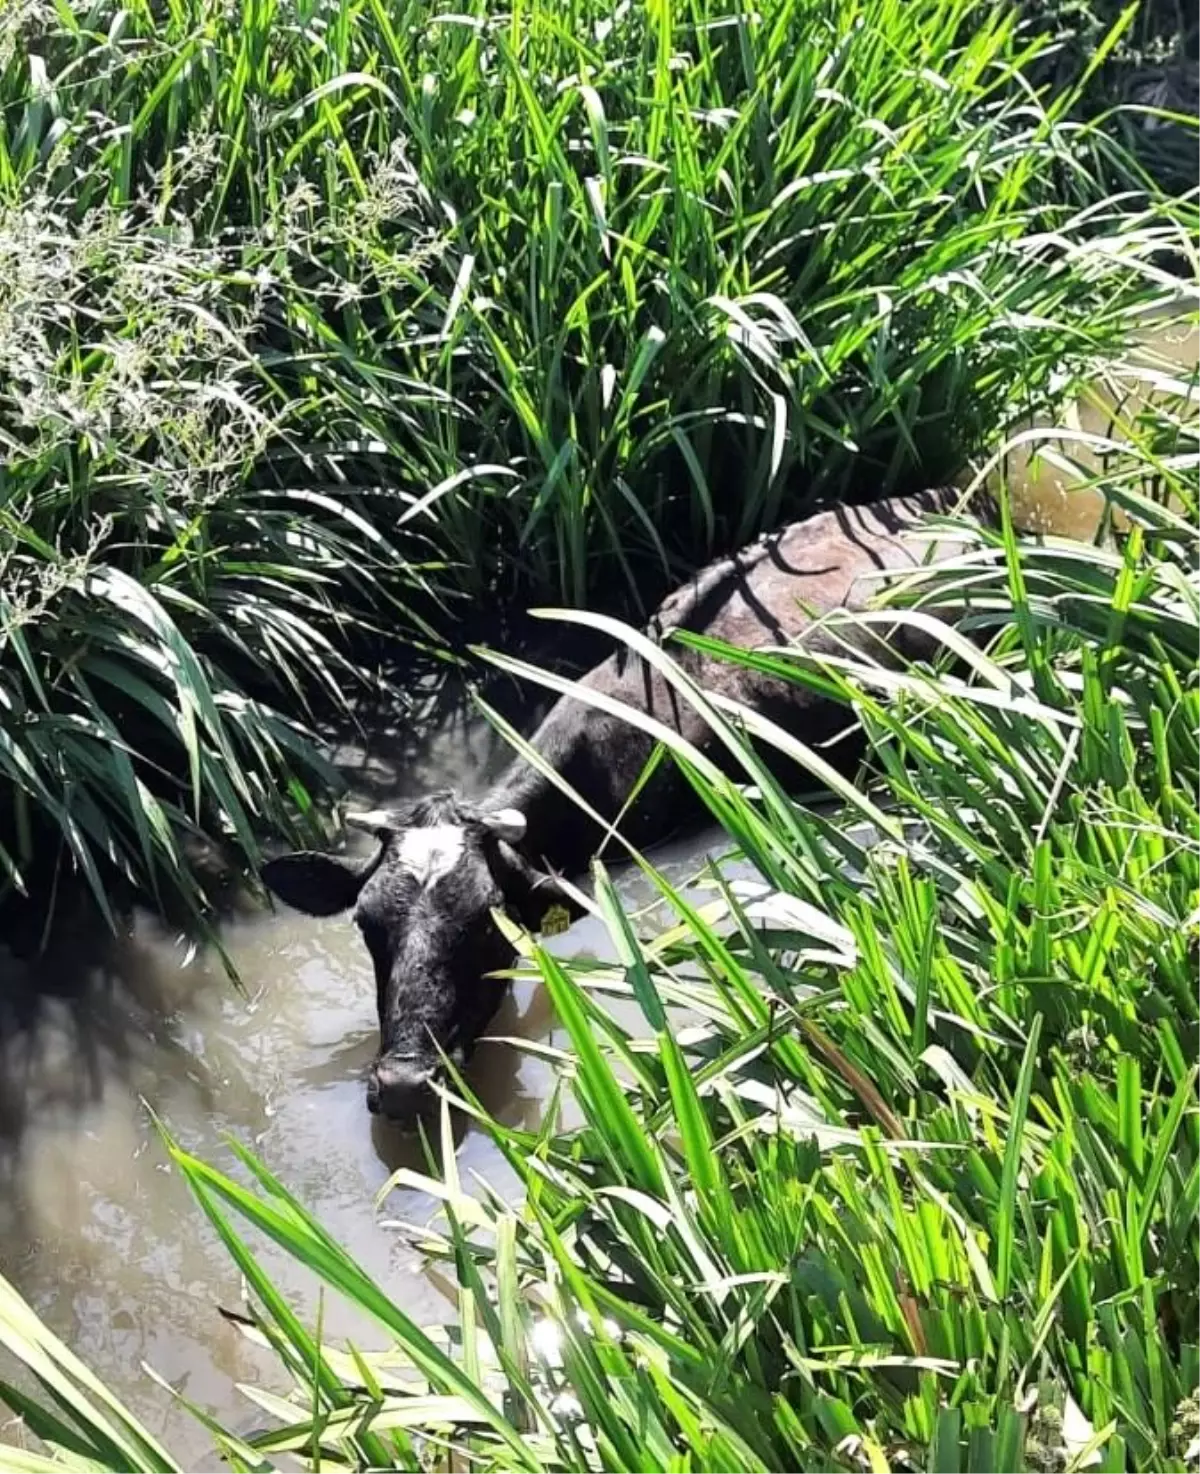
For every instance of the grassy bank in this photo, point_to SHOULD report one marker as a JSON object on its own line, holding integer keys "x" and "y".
{"x": 329, "y": 320}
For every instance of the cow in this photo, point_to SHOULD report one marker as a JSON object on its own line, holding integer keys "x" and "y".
{"x": 423, "y": 900}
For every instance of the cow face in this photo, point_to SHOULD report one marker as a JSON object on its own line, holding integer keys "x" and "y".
{"x": 423, "y": 904}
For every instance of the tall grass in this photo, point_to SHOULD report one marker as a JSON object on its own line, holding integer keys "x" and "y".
{"x": 323, "y": 317}
{"x": 917, "y": 1184}
{"x": 158, "y": 617}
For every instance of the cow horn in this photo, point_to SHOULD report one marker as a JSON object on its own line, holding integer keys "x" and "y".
{"x": 374, "y": 821}
{"x": 506, "y": 824}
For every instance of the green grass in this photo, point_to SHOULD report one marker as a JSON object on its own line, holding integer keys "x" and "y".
{"x": 918, "y": 1186}
{"x": 338, "y": 317}
{"x": 326, "y": 323}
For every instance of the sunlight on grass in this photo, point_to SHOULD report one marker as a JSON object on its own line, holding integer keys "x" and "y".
{"x": 317, "y": 322}
{"x": 322, "y": 324}
{"x": 921, "y": 1189}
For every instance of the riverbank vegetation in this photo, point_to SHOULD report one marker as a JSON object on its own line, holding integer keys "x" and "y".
{"x": 328, "y": 323}
{"x": 914, "y": 1184}
{"x": 325, "y": 322}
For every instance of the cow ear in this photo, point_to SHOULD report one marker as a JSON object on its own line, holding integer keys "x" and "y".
{"x": 531, "y": 894}
{"x": 320, "y": 885}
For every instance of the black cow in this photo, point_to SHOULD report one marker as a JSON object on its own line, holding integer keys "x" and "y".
{"x": 423, "y": 901}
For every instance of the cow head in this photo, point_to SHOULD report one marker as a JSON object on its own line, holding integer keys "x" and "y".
{"x": 423, "y": 904}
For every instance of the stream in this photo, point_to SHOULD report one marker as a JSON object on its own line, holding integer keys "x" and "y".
{"x": 102, "y": 1236}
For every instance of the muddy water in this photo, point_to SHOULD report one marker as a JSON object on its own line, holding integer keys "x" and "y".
{"x": 100, "y": 1235}
{"x": 94, "y": 1228}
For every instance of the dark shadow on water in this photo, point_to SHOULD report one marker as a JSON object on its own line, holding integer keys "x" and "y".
{"x": 445, "y": 741}
{"x": 92, "y": 1013}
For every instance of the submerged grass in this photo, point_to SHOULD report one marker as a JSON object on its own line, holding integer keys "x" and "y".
{"x": 324, "y": 317}
{"x": 916, "y": 1183}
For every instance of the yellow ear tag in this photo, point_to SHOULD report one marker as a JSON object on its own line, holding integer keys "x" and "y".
{"x": 556, "y": 920}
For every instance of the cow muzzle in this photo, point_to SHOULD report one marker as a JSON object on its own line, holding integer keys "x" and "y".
{"x": 401, "y": 1089}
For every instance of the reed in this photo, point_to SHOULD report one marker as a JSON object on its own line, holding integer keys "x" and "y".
{"x": 320, "y": 318}
{"x": 917, "y": 1186}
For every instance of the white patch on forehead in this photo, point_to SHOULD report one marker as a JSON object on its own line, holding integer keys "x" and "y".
{"x": 431, "y": 853}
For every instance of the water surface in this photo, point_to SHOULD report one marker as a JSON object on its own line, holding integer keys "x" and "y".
{"x": 97, "y": 1231}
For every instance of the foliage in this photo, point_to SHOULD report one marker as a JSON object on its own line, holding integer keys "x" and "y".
{"x": 914, "y": 1183}
{"x": 143, "y": 587}
{"x": 315, "y": 314}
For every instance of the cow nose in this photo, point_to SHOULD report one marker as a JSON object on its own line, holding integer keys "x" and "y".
{"x": 400, "y": 1089}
